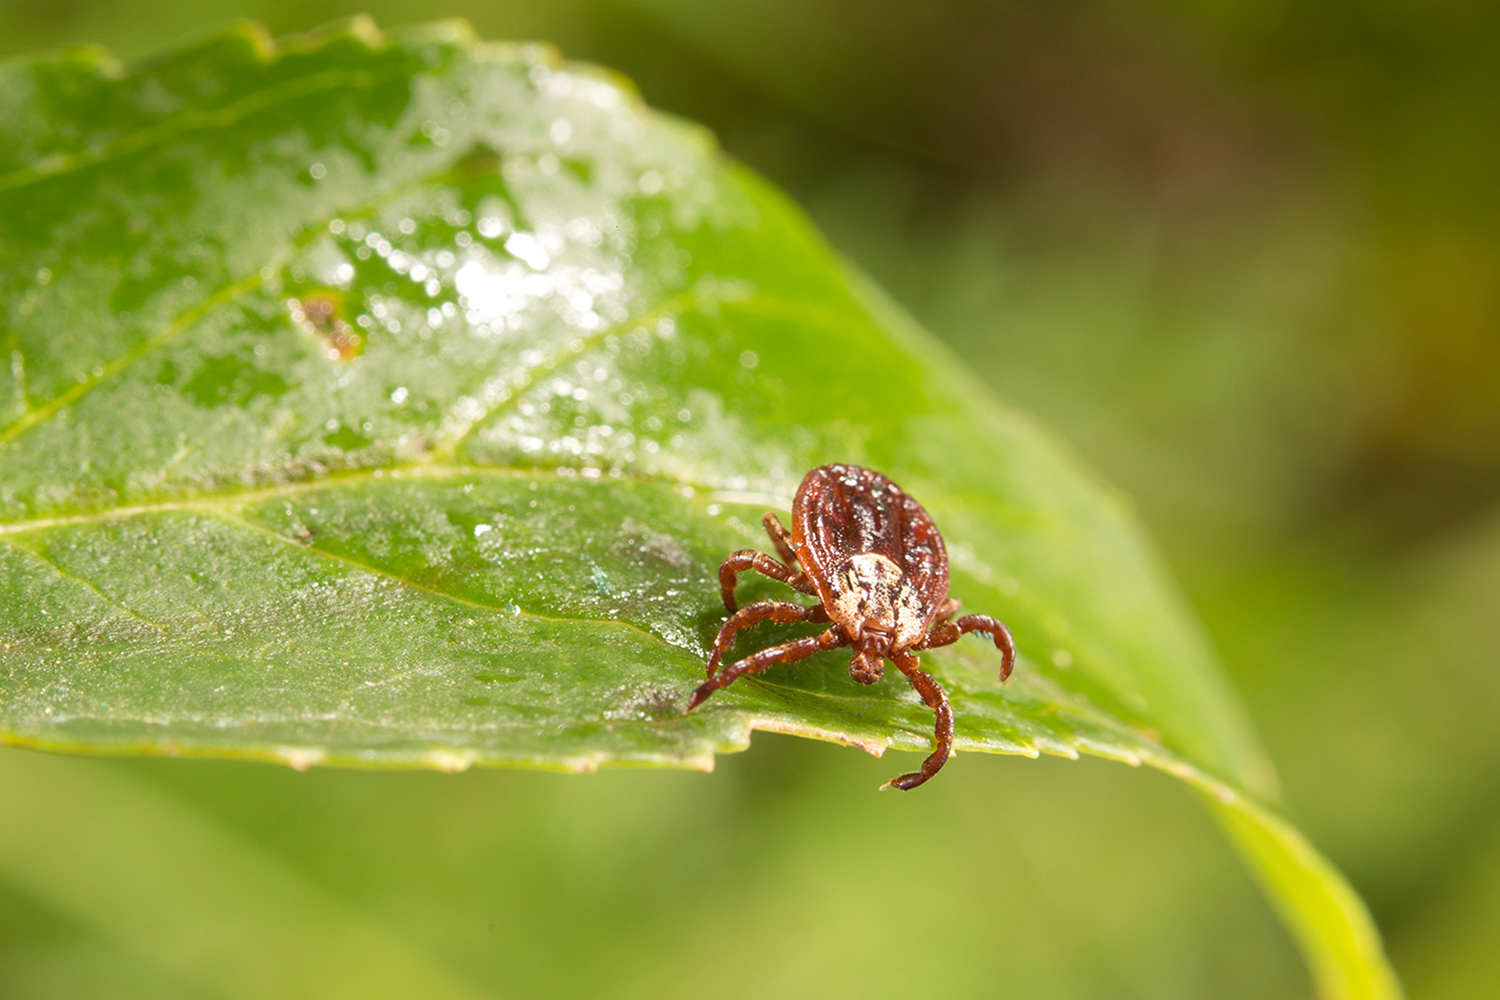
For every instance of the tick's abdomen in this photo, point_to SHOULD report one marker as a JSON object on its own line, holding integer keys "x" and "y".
{"x": 845, "y": 518}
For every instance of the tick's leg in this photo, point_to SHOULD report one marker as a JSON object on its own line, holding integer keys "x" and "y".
{"x": 942, "y": 634}
{"x": 997, "y": 630}
{"x": 949, "y": 609}
{"x": 753, "y": 614}
{"x": 936, "y": 700}
{"x": 780, "y": 537}
{"x": 787, "y": 652}
{"x": 948, "y": 633}
{"x": 747, "y": 559}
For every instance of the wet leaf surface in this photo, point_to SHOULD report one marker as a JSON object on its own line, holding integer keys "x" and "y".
{"x": 391, "y": 400}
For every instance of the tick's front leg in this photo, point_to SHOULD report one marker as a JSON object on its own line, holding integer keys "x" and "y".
{"x": 748, "y": 559}
{"x": 787, "y": 652}
{"x": 936, "y": 700}
{"x": 754, "y": 614}
{"x": 947, "y": 633}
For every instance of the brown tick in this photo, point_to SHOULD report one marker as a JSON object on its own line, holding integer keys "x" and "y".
{"x": 877, "y": 565}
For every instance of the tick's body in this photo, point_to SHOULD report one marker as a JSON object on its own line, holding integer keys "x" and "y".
{"x": 877, "y": 565}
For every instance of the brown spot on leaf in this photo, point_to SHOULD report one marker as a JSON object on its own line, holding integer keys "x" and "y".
{"x": 322, "y": 314}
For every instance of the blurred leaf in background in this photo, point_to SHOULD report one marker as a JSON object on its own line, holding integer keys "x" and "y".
{"x": 1242, "y": 255}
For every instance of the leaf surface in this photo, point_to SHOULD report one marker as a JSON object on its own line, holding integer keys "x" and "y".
{"x": 390, "y": 401}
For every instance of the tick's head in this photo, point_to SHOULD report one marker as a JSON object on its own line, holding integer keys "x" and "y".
{"x": 872, "y": 594}
{"x": 869, "y": 657}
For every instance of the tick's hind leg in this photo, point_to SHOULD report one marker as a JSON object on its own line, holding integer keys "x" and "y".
{"x": 754, "y": 614}
{"x": 948, "y": 633}
{"x": 936, "y": 700}
{"x": 787, "y": 652}
{"x": 748, "y": 559}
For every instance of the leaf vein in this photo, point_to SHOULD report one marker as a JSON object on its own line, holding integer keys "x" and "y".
{"x": 59, "y": 164}
{"x": 66, "y": 574}
{"x": 448, "y": 446}
{"x": 365, "y": 567}
{"x": 225, "y": 296}
{"x": 42, "y": 413}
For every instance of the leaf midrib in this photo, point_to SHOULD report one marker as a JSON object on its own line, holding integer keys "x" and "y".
{"x": 213, "y": 503}
{"x": 219, "y": 510}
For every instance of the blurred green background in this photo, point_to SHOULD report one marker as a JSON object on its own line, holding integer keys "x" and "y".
{"x": 1243, "y": 255}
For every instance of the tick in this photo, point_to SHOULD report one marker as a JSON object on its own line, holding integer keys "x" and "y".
{"x": 877, "y": 565}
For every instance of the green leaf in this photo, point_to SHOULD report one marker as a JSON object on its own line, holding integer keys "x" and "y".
{"x": 390, "y": 401}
